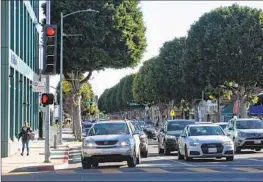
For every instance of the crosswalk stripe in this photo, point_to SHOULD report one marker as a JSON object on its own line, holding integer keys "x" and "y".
{"x": 202, "y": 170}
{"x": 109, "y": 171}
{"x": 154, "y": 170}
{"x": 65, "y": 171}
{"x": 248, "y": 169}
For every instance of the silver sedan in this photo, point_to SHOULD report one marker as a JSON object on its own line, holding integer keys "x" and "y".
{"x": 205, "y": 141}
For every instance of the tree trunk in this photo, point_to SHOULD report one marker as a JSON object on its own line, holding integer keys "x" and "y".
{"x": 196, "y": 112}
{"x": 77, "y": 116}
{"x": 218, "y": 110}
{"x": 242, "y": 97}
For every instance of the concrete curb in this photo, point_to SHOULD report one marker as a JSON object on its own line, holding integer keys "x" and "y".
{"x": 51, "y": 167}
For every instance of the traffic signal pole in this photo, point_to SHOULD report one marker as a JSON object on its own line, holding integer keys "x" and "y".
{"x": 61, "y": 79}
{"x": 47, "y": 120}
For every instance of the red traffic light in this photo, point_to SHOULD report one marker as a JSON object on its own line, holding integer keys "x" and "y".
{"x": 47, "y": 99}
{"x": 50, "y": 31}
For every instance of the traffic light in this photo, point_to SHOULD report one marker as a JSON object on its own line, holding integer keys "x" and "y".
{"x": 49, "y": 49}
{"x": 47, "y": 99}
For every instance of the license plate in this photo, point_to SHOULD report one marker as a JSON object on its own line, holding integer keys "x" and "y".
{"x": 257, "y": 142}
{"x": 105, "y": 152}
{"x": 212, "y": 150}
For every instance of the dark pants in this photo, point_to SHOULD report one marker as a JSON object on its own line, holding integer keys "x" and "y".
{"x": 25, "y": 143}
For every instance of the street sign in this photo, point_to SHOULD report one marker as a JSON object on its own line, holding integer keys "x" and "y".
{"x": 38, "y": 87}
{"x": 172, "y": 113}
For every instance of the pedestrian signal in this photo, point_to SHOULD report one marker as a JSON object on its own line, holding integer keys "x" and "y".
{"x": 47, "y": 99}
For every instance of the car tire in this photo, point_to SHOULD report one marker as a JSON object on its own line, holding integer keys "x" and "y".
{"x": 95, "y": 164}
{"x": 166, "y": 151}
{"x": 131, "y": 162}
{"x": 160, "y": 150}
{"x": 237, "y": 150}
{"x": 144, "y": 154}
{"x": 186, "y": 155}
{"x": 258, "y": 149}
{"x": 86, "y": 163}
{"x": 180, "y": 156}
{"x": 230, "y": 158}
{"x": 138, "y": 159}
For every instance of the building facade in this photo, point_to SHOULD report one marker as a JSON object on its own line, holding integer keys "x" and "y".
{"x": 19, "y": 69}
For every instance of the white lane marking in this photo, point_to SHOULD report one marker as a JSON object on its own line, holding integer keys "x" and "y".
{"x": 258, "y": 160}
{"x": 182, "y": 163}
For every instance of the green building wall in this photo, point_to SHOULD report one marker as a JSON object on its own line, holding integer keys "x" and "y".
{"x": 19, "y": 67}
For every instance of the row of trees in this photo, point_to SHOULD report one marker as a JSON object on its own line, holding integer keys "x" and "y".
{"x": 112, "y": 38}
{"x": 221, "y": 55}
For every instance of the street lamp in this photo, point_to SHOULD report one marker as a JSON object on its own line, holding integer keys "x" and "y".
{"x": 61, "y": 64}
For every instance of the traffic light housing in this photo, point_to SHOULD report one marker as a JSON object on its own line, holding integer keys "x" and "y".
{"x": 49, "y": 50}
{"x": 47, "y": 99}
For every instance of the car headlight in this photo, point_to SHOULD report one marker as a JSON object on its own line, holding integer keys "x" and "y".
{"x": 125, "y": 143}
{"x": 194, "y": 144}
{"x": 242, "y": 134}
{"x": 170, "y": 137}
{"x": 89, "y": 144}
{"x": 228, "y": 143}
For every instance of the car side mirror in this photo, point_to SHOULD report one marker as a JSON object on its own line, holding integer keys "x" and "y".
{"x": 183, "y": 135}
{"x": 231, "y": 128}
{"x": 228, "y": 134}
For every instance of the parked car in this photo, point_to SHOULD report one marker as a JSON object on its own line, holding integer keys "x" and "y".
{"x": 167, "y": 138}
{"x": 246, "y": 133}
{"x": 222, "y": 124}
{"x": 150, "y": 131}
{"x": 143, "y": 139}
{"x": 205, "y": 141}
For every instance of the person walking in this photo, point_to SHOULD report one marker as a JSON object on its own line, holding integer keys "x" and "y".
{"x": 25, "y": 134}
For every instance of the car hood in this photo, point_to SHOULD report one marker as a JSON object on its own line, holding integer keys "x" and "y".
{"x": 175, "y": 133}
{"x": 107, "y": 137}
{"x": 209, "y": 139}
{"x": 251, "y": 130}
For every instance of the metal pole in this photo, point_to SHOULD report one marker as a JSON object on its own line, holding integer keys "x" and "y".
{"x": 61, "y": 79}
{"x": 47, "y": 122}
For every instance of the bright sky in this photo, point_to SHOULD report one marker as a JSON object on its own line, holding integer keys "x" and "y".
{"x": 164, "y": 21}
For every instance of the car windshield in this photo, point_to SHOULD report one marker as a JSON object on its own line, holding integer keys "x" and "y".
{"x": 87, "y": 126}
{"x": 205, "y": 130}
{"x": 178, "y": 125}
{"x": 109, "y": 129}
{"x": 249, "y": 124}
{"x": 223, "y": 126}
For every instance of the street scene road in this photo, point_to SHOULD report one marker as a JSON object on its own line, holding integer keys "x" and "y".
{"x": 247, "y": 166}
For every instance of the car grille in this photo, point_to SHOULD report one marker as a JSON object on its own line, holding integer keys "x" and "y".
{"x": 218, "y": 146}
{"x": 106, "y": 142}
{"x": 255, "y": 135}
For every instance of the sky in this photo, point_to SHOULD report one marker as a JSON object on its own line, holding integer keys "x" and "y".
{"x": 164, "y": 20}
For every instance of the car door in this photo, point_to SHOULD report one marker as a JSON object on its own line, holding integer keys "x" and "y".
{"x": 181, "y": 140}
{"x": 136, "y": 137}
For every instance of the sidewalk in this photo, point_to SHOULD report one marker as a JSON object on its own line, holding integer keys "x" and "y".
{"x": 35, "y": 161}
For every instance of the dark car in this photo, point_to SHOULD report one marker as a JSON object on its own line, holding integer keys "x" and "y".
{"x": 168, "y": 136}
{"x": 143, "y": 139}
{"x": 150, "y": 131}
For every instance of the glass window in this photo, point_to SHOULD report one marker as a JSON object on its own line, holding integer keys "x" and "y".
{"x": 17, "y": 26}
{"x": 21, "y": 27}
{"x": 178, "y": 125}
{"x": 249, "y": 124}
{"x": 12, "y": 25}
{"x": 205, "y": 130}
{"x": 109, "y": 129}
{"x": 25, "y": 35}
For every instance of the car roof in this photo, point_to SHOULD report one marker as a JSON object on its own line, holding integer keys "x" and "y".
{"x": 247, "y": 119}
{"x": 180, "y": 120}
{"x": 194, "y": 125}
{"x": 222, "y": 123}
{"x": 112, "y": 121}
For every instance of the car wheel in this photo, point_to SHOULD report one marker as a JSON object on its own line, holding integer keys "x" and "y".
{"x": 230, "y": 158}
{"x": 138, "y": 159}
{"x": 186, "y": 155}
{"x": 86, "y": 163}
{"x": 237, "y": 149}
{"x": 132, "y": 161}
{"x": 95, "y": 164}
{"x": 166, "y": 151}
{"x": 258, "y": 149}
{"x": 144, "y": 154}
{"x": 160, "y": 150}
{"x": 180, "y": 156}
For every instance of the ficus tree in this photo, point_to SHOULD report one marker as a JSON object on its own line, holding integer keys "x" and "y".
{"x": 226, "y": 45}
{"x": 112, "y": 38}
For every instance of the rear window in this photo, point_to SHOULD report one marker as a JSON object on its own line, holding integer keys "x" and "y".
{"x": 178, "y": 125}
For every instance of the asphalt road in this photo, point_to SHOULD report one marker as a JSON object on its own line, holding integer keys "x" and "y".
{"x": 247, "y": 166}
